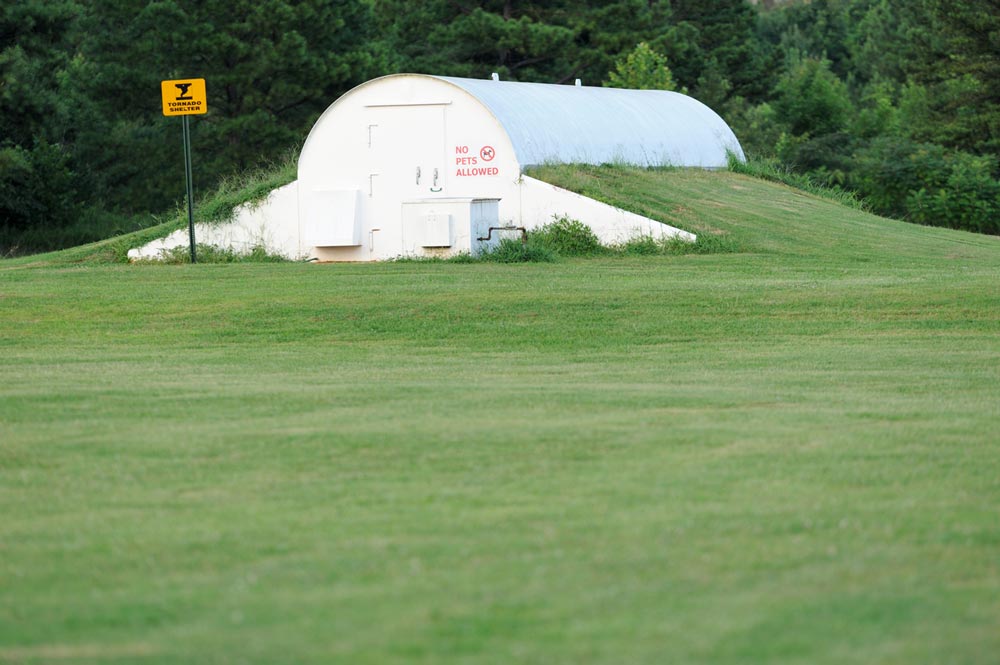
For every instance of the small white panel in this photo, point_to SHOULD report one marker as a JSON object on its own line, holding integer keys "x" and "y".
{"x": 332, "y": 218}
{"x": 436, "y": 230}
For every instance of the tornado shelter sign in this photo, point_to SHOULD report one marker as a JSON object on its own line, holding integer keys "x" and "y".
{"x": 184, "y": 97}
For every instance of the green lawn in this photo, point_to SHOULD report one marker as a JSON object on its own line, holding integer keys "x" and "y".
{"x": 789, "y": 454}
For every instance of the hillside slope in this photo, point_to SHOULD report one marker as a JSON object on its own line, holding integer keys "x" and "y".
{"x": 766, "y": 217}
{"x": 763, "y": 217}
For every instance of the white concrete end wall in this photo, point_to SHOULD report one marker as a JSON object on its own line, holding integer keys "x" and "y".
{"x": 272, "y": 223}
{"x": 539, "y": 203}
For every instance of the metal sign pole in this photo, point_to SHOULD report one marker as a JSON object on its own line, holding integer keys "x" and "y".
{"x": 190, "y": 184}
{"x": 186, "y": 97}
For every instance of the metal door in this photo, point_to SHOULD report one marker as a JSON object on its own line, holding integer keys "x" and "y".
{"x": 407, "y": 145}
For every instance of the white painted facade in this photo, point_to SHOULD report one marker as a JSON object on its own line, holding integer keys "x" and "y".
{"x": 419, "y": 165}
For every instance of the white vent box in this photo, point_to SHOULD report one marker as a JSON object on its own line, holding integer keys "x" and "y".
{"x": 436, "y": 231}
{"x": 331, "y": 218}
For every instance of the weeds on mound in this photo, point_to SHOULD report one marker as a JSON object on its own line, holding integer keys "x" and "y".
{"x": 212, "y": 254}
{"x": 706, "y": 243}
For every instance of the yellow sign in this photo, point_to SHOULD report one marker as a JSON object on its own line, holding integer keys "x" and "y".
{"x": 184, "y": 97}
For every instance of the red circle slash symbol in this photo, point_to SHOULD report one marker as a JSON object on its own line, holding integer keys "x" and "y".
{"x": 487, "y": 153}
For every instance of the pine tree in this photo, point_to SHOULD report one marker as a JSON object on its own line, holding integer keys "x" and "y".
{"x": 541, "y": 41}
{"x": 969, "y": 81}
{"x": 36, "y": 181}
{"x": 642, "y": 69}
{"x": 723, "y": 31}
{"x": 271, "y": 66}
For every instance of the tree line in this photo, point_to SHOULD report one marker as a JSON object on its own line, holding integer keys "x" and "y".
{"x": 897, "y": 100}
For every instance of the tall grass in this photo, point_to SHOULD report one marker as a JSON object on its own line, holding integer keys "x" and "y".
{"x": 773, "y": 171}
{"x": 245, "y": 188}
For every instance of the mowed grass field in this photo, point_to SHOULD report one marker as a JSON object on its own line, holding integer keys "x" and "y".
{"x": 788, "y": 454}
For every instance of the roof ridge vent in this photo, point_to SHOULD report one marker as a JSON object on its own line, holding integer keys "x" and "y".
{"x": 495, "y": 76}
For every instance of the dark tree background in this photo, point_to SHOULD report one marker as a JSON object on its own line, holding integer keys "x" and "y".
{"x": 85, "y": 151}
{"x": 898, "y": 100}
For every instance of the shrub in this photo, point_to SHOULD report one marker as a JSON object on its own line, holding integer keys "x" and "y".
{"x": 888, "y": 169}
{"x": 928, "y": 184}
{"x": 567, "y": 237}
{"x": 968, "y": 200}
{"x": 515, "y": 251}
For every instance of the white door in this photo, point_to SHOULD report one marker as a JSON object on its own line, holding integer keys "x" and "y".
{"x": 406, "y": 158}
{"x": 408, "y": 151}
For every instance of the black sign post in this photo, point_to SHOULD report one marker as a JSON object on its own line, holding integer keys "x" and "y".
{"x": 188, "y": 176}
{"x": 185, "y": 98}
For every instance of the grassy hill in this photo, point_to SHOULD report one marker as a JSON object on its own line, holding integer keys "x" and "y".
{"x": 769, "y": 218}
{"x": 783, "y": 454}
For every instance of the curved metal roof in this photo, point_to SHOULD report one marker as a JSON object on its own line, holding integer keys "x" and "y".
{"x": 564, "y": 123}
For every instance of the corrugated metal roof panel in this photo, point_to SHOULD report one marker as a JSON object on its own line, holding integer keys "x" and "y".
{"x": 565, "y": 124}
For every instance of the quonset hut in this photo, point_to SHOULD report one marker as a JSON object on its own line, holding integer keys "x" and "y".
{"x": 412, "y": 164}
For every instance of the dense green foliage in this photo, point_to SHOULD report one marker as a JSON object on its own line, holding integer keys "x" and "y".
{"x": 786, "y": 455}
{"x": 896, "y": 100}
{"x": 273, "y": 66}
{"x": 36, "y": 184}
{"x": 83, "y": 132}
{"x": 551, "y": 40}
